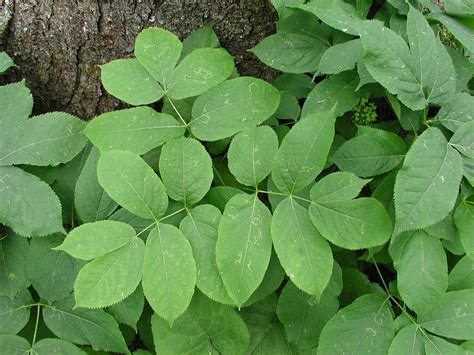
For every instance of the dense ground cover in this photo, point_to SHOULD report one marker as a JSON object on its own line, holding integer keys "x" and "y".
{"x": 329, "y": 212}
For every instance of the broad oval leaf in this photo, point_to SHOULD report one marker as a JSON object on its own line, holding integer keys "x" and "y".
{"x": 409, "y": 340}
{"x": 290, "y": 52}
{"x": 208, "y": 327}
{"x": 250, "y": 154}
{"x": 304, "y": 254}
{"x": 186, "y": 170}
{"x": 138, "y": 130}
{"x": 355, "y": 224}
{"x": 370, "y": 154}
{"x": 84, "y": 326}
{"x": 6, "y": 62}
{"x": 169, "y": 272}
{"x": 337, "y": 187}
{"x": 422, "y": 271}
{"x": 457, "y": 111}
{"x": 110, "y": 278}
{"x": 365, "y": 326}
{"x": 130, "y": 309}
{"x": 48, "y": 139}
{"x": 128, "y": 81}
{"x": 92, "y": 240}
{"x": 463, "y": 139}
{"x": 55, "y": 346}
{"x": 15, "y": 312}
{"x": 233, "y": 106}
{"x": 16, "y": 104}
{"x": 14, "y": 261}
{"x": 199, "y": 71}
{"x": 52, "y": 272}
{"x": 244, "y": 245}
{"x": 461, "y": 277}
{"x": 427, "y": 186}
{"x": 14, "y": 344}
{"x": 464, "y": 220}
{"x": 452, "y": 317}
{"x": 158, "y": 51}
{"x": 27, "y": 204}
{"x": 91, "y": 202}
{"x": 200, "y": 228}
{"x": 303, "y": 152}
{"x": 341, "y": 57}
{"x": 132, "y": 183}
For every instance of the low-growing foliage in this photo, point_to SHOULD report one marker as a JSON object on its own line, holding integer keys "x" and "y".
{"x": 329, "y": 212}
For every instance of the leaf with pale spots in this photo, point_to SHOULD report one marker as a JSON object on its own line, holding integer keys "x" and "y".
{"x": 233, "y": 106}
{"x": 169, "y": 272}
{"x": 138, "y": 130}
{"x": 186, "y": 170}
{"x": 244, "y": 245}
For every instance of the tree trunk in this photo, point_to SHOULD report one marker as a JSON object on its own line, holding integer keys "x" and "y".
{"x": 58, "y": 44}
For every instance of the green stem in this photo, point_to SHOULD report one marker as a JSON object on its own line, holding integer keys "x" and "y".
{"x": 177, "y": 112}
{"x": 38, "y": 311}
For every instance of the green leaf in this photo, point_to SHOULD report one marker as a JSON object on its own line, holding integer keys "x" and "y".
{"x": 461, "y": 276}
{"x": 15, "y": 312}
{"x": 199, "y": 71}
{"x": 158, "y": 51}
{"x": 338, "y": 90}
{"x": 203, "y": 37}
{"x": 370, "y": 154}
{"x": 233, "y": 106}
{"x": 243, "y": 245}
{"x": 297, "y": 85}
{"x": 169, "y": 272}
{"x": 84, "y": 326}
{"x": 303, "y": 253}
{"x": 205, "y": 328}
{"x": 365, "y": 326}
{"x": 303, "y": 315}
{"x": 463, "y": 34}
{"x": 422, "y": 271}
{"x": 431, "y": 173}
{"x": 5, "y": 62}
{"x": 91, "y": 202}
{"x": 452, "y": 317}
{"x": 200, "y": 228}
{"x": 92, "y": 240}
{"x": 130, "y": 309}
{"x": 16, "y": 104}
{"x": 110, "y": 278}
{"x": 435, "y": 345}
{"x": 48, "y": 139}
{"x": 13, "y": 258}
{"x": 55, "y": 346}
{"x": 417, "y": 79}
{"x": 250, "y": 154}
{"x": 186, "y": 170}
{"x": 409, "y": 340}
{"x": 337, "y": 187}
{"x": 303, "y": 152}
{"x": 355, "y": 224}
{"x": 52, "y": 273}
{"x": 463, "y": 139}
{"x": 138, "y": 130}
{"x": 464, "y": 220}
{"x": 290, "y": 52}
{"x": 13, "y": 344}
{"x": 27, "y": 204}
{"x": 128, "y": 81}
{"x": 341, "y": 57}
{"x": 336, "y": 13}
{"x": 455, "y": 112}
{"x": 132, "y": 183}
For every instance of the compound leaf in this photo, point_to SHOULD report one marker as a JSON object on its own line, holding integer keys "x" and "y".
{"x": 250, "y": 154}
{"x": 427, "y": 185}
{"x": 186, "y": 170}
{"x": 92, "y": 240}
{"x": 27, "y": 204}
{"x": 169, "y": 272}
{"x": 233, "y": 106}
{"x": 303, "y": 253}
{"x": 244, "y": 245}
{"x": 132, "y": 183}
{"x": 138, "y": 130}
{"x": 303, "y": 152}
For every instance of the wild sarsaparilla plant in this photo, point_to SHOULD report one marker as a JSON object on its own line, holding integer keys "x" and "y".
{"x": 330, "y": 212}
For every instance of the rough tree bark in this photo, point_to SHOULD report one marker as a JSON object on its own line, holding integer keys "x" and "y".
{"x": 58, "y": 44}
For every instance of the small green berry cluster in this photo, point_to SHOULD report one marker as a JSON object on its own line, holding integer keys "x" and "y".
{"x": 365, "y": 112}
{"x": 447, "y": 37}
